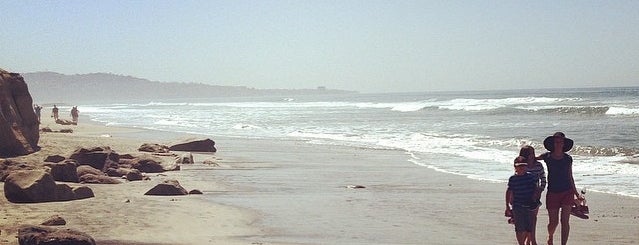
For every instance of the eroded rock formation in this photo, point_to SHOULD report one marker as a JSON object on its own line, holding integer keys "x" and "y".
{"x": 18, "y": 121}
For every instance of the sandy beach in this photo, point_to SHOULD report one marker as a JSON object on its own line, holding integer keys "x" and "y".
{"x": 292, "y": 192}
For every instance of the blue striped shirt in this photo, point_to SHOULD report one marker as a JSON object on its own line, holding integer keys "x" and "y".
{"x": 522, "y": 187}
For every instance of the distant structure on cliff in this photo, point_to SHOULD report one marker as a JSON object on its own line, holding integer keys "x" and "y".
{"x": 55, "y": 87}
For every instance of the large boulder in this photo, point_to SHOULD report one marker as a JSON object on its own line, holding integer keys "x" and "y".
{"x": 195, "y": 145}
{"x": 29, "y": 187}
{"x": 152, "y": 164}
{"x": 82, "y": 192}
{"x": 37, "y": 235}
{"x": 18, "y": 124}
{"x": 64, "y": 171}
{"x": 167, "y": 188}
{"x": 32, "y": 186}
{"x": 97, "y": 157}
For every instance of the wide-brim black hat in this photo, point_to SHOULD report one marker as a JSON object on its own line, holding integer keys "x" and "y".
{"x": 549, "y": 143}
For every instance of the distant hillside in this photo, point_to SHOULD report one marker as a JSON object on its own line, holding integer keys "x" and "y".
{"x": 51, "y": 87}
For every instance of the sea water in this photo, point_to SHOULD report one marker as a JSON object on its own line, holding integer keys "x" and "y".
{"x": 475, "y": 134}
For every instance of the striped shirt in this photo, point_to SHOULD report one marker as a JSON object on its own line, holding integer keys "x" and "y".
{"x": 522, "y": 187}
{"x": 537, "y": 169}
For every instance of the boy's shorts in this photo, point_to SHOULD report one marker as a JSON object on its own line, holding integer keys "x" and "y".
{"x": 522, "y": 219}
{"x": 556, "y": 200}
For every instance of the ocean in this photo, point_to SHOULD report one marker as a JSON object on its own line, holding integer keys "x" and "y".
{"x": 474, "y": 134}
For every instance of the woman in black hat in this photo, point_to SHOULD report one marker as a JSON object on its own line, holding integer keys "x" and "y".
{"x": 561, "y": 185}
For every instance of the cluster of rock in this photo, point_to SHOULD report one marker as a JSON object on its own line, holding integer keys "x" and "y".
{"x": 29, "y": 183}
{"x": 18, "y": 124}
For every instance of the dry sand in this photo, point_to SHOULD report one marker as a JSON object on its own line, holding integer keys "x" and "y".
{"x": 121, "y": 214}
{"x": 280, "y": 192}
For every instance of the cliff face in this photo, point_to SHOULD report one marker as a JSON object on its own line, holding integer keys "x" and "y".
{"x": 18, "y": 123}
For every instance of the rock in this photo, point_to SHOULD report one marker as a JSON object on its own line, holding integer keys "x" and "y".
{"x": 117, "y": 172}
{"x": 167, "y": 188}
{"x": 64, "y": 171}
{"x": 55, "y": 158}
{"x": 355, "y": 186}
{"x": 29, "y": 187}
{"x": 63, "y": 192}
{"x": 149, "y": 164}
{"x": 195, "y": 191}
{"x": 40, "y": 235}
{"x": 98, "y": 179}
{"x": 186, "y": 158}
{"x": 154, "y": 164}
{"x": 46, "y": 130}
{"x": 66, "y": 130}
{"x": 157, "y": 148}
{"x": 194, "y": 145}
{"x": 54, "y": 220}
{"x": 210, "y": 162}
{"x": 126, "y": 156}
{"x": 97, "y": 157}
{"x": 65, "y": 122}
{"x": 86, "y": 169}
{"x": 32, "y": 186}
{"x": 19, "y": 127}
{"x": 82, "y": 192}
{"x": 7, "y": 166}
{"x": 134, "y": 175}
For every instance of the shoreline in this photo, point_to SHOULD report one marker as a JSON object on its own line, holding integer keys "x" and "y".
{"x": 292, "y": 192}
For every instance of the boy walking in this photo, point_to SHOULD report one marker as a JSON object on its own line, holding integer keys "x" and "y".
{"x": 520, "y": 199}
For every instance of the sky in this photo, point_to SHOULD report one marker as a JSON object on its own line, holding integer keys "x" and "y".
{"x": 367, "y": 46}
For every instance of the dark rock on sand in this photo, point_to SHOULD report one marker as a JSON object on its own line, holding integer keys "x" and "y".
{"x": 152, "y": 164}
{"x": 65, "y": 122}
{"x": 157, "y": 148}
{"x": 19, "y": 127}
{"x": 97, "y": 157}
{"x": 195, "y": 191}
{"x": 54, "y": 220}
{"x": 29, "y": 187}
{"x": 39, "y": 235}
{"x": 64, "y": 171}
{"x": 194, "y": 145}
{"x": 66, "y": 130}
{"x": 55, "y": 158}
{"x": 32, "y": 186}
{"x": 134, "y": 175}
{"x": 98, "y": 179}
{"x": 82, "y": 192}
{"x": 86, "y": 169}
{"x": 168, "y": 188}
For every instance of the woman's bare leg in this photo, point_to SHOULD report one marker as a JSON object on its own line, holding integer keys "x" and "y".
{"x": 553, "y": 221}
{"x": 565, "y": 224}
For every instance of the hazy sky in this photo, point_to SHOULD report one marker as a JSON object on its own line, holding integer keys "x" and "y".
{"x": 368, "y": 46}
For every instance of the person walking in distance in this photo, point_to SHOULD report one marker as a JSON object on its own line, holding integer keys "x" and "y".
{"x": 38, "y": 109}
{"x": 75, "y": 114}
{"x": 55, "y": 112}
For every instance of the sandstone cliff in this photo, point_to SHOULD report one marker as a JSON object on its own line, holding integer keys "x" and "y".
{"x": 18, "y": 123}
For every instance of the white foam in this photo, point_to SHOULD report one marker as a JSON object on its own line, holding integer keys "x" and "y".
{"x": 622, "y": 111}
